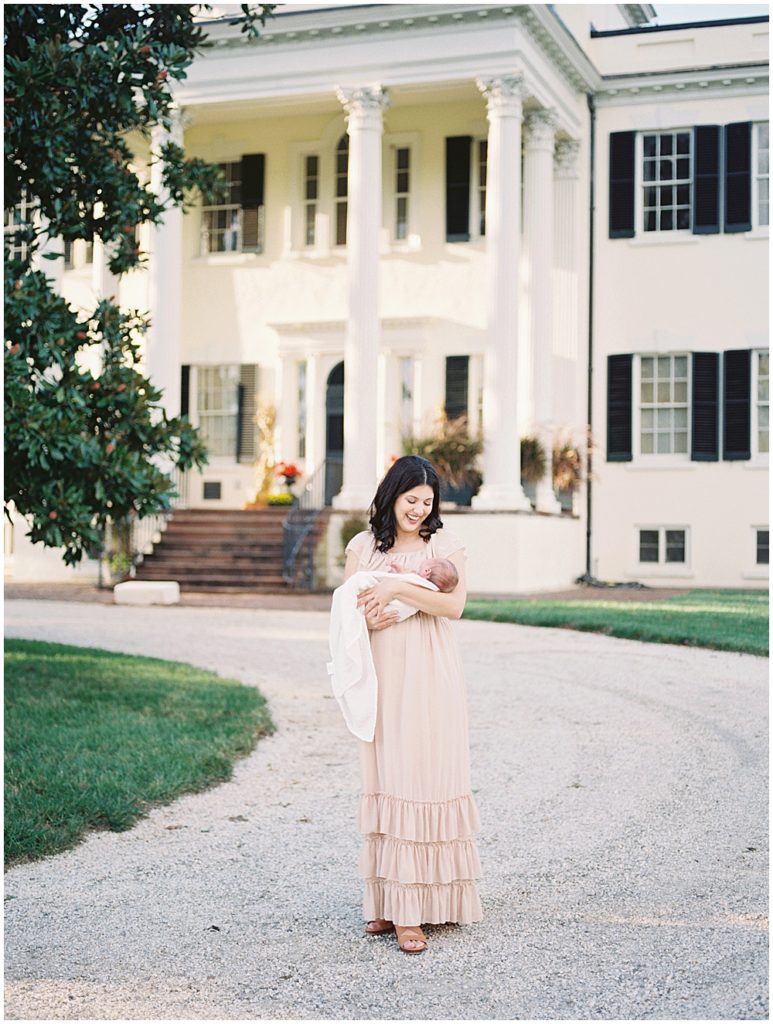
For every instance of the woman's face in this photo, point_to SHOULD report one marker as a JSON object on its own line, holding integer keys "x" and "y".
{"x": 413, "y": 507}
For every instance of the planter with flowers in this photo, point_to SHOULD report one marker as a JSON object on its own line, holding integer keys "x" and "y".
{"x": 567, "y": 471}
{"x": 453, "y": 453}
{"x": 289, "y": 473}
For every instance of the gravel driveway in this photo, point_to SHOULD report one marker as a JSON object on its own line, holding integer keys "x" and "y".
{"x": 622, "y": 792}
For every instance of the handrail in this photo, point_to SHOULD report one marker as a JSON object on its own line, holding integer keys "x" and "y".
{"x": 298, "y": 526}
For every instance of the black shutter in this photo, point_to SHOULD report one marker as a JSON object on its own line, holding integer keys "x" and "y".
{"x": 737, "y": 404}
{"x": 738, "y": 177}
{"x": 458, "y": 158}
{"x": 705, "y": 407}
{"x": 707, "y": 143}
{"x": 185, "y": 390}
{"x": 622, "y": 176}
{"x": 246, "y": 429}
{"x": 457, "y": 376}
{"x": 619, "y": 386}
{"x": 253, "y": 181}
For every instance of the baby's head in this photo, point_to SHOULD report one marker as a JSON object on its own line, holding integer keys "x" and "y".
{"x": 440, "y": 571}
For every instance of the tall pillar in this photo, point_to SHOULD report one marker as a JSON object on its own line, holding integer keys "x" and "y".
{"x": 364, "y": 109}
{"x": 501, "y": 487}
{"x": 538, "y": 241}
{"x": 163, "y": 341}
{"x": 566, "y": 306}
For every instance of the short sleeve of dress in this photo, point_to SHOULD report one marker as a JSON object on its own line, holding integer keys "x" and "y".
{"x": 359, "y": 544}
{"x": 448, "y": 543}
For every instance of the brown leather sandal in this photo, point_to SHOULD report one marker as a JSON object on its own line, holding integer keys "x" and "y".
{"x": 410, "y": 935}
{"x": 382, "y": 925}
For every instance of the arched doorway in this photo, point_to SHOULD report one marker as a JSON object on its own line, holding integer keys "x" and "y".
{"x": 334, "y": 432}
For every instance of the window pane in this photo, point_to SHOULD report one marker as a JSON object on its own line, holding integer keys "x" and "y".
{"x": 648, "y": 545}
{"x": 680, "y": 366}
{"x": 683, "y": 142}
{"x": 650, "y": 196}
{"x": 762, "y": 389}
{"x": 680, "y": 441}
{"x": 664, "y": 368}
{"x": 682, "y": 219}
{"x": 647, "y": 417}
{"x": 666, "y": 145}
{"x": 646, "y": 392}
{"x": 664, "y": 419}
{"x": 762, "y": 547}
{"x": 664, "y": 391}
{"x": 666, "y": 220}
{"x": 763, "y": 416}
{"x": 666, "y": 170}
{"x": 680, "y": 391}
{"x": 650, "y": 221}
{"x": 680, "y": 418}
{"x": 664, "y": 443}
{"x": 646, "y": 444}
{"x": 649, "y": 145}
{"x": 647, "y": 363}
{"x": 649, "y": 170}
{"x": 675, "y": 545}
{"x": 763, "y": 361}
{"x": 683, "y": 169}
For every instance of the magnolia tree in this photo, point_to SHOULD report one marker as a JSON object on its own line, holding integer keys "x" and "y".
{"x": 82, "y": 81}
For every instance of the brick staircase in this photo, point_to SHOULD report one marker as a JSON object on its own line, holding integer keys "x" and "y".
{"x": 223, "y": 550}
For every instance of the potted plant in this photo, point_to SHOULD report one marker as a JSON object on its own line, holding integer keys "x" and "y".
{"x": 533, "y": 465}
{"x": 265, "y": 420}
{"x": 567, "y": 471}
{"x": 452, "y": 451}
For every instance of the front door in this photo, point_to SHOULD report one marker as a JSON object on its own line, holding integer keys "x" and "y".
{"x": 334, "y": 432}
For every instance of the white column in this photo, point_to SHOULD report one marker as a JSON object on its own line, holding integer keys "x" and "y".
{"x": 501, "y": 487}
{"x": 538, "y": 242}
{"x": 566, "y": 316}
{"x": 364, "y": 109}
{"x": 163, "y": 342}
{"x": 315, "y": 404}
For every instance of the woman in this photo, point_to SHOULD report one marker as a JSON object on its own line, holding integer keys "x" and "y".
{"x": 417, "y": 813}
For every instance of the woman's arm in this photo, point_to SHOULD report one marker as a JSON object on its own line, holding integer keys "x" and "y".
{"x": 374, "y": 621}
{"x": 432, "y": 602}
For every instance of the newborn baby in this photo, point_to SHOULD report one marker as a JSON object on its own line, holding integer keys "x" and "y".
{"x": 439, "y": 572}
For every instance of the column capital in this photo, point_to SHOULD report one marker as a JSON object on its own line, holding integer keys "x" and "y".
{"x": 540, "y": 128}
{"x": 504, "y": 94}
{"x": 364, "y": 105}
{"x": 565, "y": 159}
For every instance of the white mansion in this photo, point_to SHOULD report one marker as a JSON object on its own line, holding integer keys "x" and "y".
{"x": 552, "y": 218}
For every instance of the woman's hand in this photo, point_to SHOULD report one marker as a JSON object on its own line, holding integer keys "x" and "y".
{"x": 374, "y": 600}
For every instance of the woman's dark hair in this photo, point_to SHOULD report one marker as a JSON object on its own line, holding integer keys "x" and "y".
{"x": 404, "y": 474}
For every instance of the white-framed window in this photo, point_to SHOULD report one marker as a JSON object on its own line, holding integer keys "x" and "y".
{"x": 302, "y": 410}
{"x": 341, "y": 191}
{"x": 665, "y": 172}
{"x": 663, "y": 405}
{"x": 761, "y": 175}
{"x": 310, "y": 198}
{"x": 662, "y": 545}
{"x": 17, "y": 217}
{"x": 227, "y": 226}
{"x": 761, "y": 546}
{"x": 402, "y": 172}
{"x": 760, "y": 401}
{"x": 407, "y": 386}
{"x": 217, "y": 407}
{"x": 478, "y": 178}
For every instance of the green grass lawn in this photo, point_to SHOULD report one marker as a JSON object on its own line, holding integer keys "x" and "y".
{"x": 727, "y": 620}
{"x": 93, "y": 739}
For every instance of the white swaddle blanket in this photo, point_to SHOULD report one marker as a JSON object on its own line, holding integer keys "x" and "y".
{"x": 352, "y": 672}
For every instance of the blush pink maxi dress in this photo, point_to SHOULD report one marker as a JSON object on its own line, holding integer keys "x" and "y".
{"x": 417, "y": 815}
